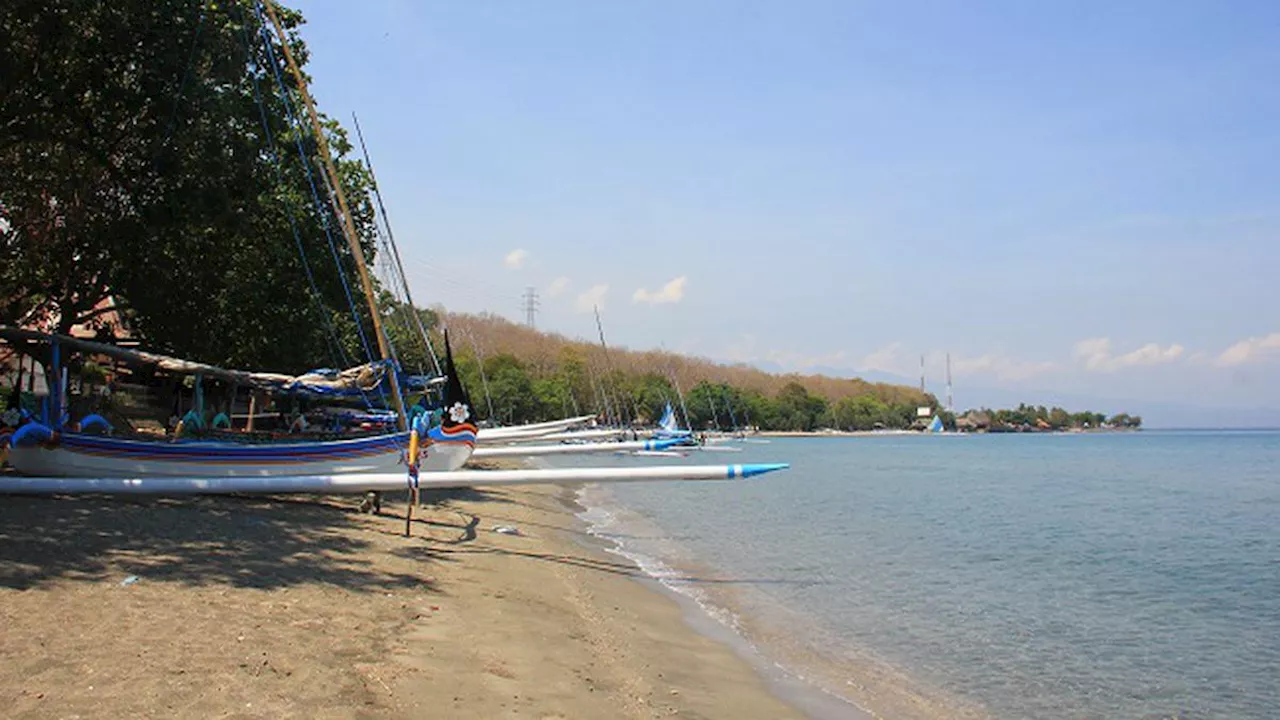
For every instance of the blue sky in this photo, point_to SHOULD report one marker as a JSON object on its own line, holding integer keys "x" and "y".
{"x": 1074, "y": 199}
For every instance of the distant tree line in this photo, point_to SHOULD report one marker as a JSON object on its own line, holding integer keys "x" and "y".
{"x": 518, "y": 395}
{"x": 1038, "y": 417}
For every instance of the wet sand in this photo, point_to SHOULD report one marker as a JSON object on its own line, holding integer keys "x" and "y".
{"x": 304, "y": 607}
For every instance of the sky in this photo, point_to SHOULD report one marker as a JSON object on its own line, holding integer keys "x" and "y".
{"x": 1075, "y": 200}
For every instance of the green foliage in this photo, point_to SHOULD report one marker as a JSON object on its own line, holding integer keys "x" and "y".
{"x": 136, "y": 166}
{"x": 511, "y": 389}
{"x": 865, "y": 412}
{"x": 552, "y": 399}
{"x": 651, "y": 393}
{"x": 1125, "y": 420}
{"x": 796, "y": 409}
{"x": 402, "y": 330}
{"x": 1026, "y": 417}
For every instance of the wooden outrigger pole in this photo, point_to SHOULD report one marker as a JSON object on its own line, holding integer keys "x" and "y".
{"x": 349, "y": 228}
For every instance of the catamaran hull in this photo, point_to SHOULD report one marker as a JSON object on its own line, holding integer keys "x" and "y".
{"x": 571, "y": 436}
{"x": 91, "y": 456}
{"x": 570, "y": 449}
{"x": 487, "y": 435}
{"x": 358, "y": 483}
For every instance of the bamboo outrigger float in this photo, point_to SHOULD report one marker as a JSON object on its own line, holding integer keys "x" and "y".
{"x": 362, "y": 483}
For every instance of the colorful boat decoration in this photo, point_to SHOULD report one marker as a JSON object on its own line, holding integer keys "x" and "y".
{"x": 41, "y": 449}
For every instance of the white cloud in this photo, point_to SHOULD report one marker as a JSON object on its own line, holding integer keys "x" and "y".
{"x": 1096, "y": 355}
{"x": 1002, "y": 367}
{"x": 892, "y": 358}
{"x": 592, "y": 298}
{"x": 887, "y": 359}
{"x": 672, "y": 292}
{"x": 515, "y": 259}
{"x": 1250, "y": 350}
{"x": 747, "y": 350}
{"x": 557, "y": 286}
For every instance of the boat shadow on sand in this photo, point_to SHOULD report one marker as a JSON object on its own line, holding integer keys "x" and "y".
{"x": 245, "y": 542}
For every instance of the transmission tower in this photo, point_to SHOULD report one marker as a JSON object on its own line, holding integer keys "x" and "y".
{"x": 951, "y": 407}
{"x": 530, "y": 305}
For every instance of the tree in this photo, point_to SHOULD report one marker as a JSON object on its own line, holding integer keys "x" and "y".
{"x": 861, "y": 413}
{"x": 552, "y": 398}
{"x": 797, "y": 409}
{"x": 1125, "y": 420}
{"x": 702, "y": 402}
{"x": 758, "y": 411}
{"x": 652, "y": 393}
{"x": 402, "y": 330}
{"x": 148, "y": 156}
{"x": 511, "y": 387}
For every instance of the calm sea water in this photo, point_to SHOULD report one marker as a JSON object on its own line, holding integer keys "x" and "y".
{"x": 1047, "y": 576}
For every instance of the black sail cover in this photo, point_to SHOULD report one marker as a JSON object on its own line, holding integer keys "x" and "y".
{"x": 458, "y": 411}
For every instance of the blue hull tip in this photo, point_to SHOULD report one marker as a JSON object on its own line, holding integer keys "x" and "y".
{"x": 746, "y": 471}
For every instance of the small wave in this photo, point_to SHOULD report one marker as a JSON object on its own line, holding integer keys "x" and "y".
{"x": 623, "y": 530}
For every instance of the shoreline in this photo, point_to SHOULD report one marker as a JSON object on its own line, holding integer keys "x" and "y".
{"x": 303, "y": 607}
{"x": 826, "y": 684}
{"x": 923, "y": 433}
{"x": 813, "y": 700}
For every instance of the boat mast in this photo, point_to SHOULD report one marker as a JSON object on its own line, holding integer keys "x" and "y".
{"x": 395, "y": 250}
{"x": 349, "y": 228}
{"x": 608, "y": 366}
{"x": 488, "y": 399}
{"x": 728, "y": 403}
{"x": 683, "y": 409}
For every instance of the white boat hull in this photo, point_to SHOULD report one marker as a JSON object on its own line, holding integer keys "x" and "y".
{"x": 75, "y": 455}
{"x": 573, "y": 449}
{"x": 487, "y": 435}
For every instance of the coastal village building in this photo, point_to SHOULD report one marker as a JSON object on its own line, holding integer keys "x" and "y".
{"x": 107, "y": 324}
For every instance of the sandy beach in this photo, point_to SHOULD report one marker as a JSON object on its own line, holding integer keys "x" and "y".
{"x": 303, "y": 607}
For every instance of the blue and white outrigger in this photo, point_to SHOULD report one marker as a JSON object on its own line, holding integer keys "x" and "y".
{"x": 85, "y": 457}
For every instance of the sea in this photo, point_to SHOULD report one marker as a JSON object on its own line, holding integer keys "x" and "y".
{"x": 1125, "y": 575}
